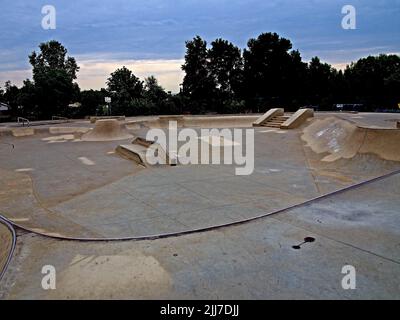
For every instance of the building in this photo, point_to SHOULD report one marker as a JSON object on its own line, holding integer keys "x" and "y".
{"x": 4, "y": 111}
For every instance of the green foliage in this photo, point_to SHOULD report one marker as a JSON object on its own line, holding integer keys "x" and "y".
{"x": 92, "y": 102}
{"x": 27, "y": 97}
{"x": 53, "y": 75}
{"x": 226, "y": 67}
{"x": 126, "y": 91}
{"x": 219, "y": 78}
{"x": 11, "y": 97}
{"x": 155, "y": 96}
{"x": 272, "y": 72}
{"x": 375, "y": 80}
{"x": 53, "y": 57}
{"x": 198, "y": 84}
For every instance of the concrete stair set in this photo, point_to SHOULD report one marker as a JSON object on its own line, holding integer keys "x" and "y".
{"x": 276, "y": 118}
{"x": 275, "y": 122}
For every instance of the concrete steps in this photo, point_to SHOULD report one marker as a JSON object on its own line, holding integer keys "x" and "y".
{"x": 275, "y": 122}
{"x": 272, "y": 113}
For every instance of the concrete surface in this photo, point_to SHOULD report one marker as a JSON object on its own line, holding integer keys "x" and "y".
{"x": 55, "y": 184}
{"x": 251, "y": 261}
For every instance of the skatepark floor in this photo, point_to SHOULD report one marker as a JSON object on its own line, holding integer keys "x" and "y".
{"x": 84, "y": 190}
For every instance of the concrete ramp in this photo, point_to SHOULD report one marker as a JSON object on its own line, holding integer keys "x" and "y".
{"x": 20, "y": 205}
{"x": 338, "y": 138}
{"x": 297, "y": 119}
{"x": 270, "y": 114}
{"x": 146, "y": 153}
{"x": 96, "y": 118}
{"x": 134, "y": 152}
{"x": 107, "y": 130}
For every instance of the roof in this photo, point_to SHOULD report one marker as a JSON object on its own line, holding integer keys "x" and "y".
{"x": 3, "y": 107}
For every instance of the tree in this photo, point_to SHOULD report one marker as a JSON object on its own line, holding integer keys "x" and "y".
{"x": 198, "y": 84}
{"x": 153, "y": 91}
{"x": 320, "y": 82}
{"x": 91, "y": 101}
{"x": 295, "y": 91}
{"x": 53, "y": 56}
{"x": 11, "y": 96}
{"x": 155, "y": 95}
{"x": 53, "y": 76}
{"x": 375, "y": 80}
{"x": 126, "y": 90}
{"x": 265, "y": 69}
{"x": 225, "y": 65}
{"x": 27, "y": 100}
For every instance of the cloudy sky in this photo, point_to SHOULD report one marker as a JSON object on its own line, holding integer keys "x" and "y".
{"x": 148, "y": 35}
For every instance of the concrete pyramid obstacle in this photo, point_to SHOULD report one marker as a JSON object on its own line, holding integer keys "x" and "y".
{"x": 145, "y": 152}
{"x": 107, "y": 130}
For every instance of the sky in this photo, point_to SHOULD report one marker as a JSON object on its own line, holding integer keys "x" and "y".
{"x": 148, "y": 36}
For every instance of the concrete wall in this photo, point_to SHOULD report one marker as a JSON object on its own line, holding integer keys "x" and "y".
{"x": 196, "y": 121}
{"x": 298, "y": 118}
{"x": 268, "y": 115}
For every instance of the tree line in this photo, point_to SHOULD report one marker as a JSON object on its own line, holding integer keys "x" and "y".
{"x": 219, "y": 78}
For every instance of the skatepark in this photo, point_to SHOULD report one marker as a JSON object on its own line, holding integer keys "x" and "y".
{"x": 79, "y": 195}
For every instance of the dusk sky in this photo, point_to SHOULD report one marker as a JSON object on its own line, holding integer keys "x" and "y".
{"x": 148, "y": 36}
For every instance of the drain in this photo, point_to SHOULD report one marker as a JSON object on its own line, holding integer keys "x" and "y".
{"x": 306, "y": 239}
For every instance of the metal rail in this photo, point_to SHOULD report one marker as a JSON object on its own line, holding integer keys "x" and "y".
{"x": 23, "y": 120}
{"x": 210, "y": 228}
{"x": 14, "y": 241}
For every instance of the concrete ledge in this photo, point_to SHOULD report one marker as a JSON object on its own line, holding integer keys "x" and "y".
{"x": 157, "y": 150}
{"x": 29, "y": 131}
{"x": 241, "y": 121}
{"x": 68, "y": 130}
{"x": 143, "y": 142}
{"x": 23, "y": 132}
{"x": 138, "y": 152}
{"x": 133, "y": 152}
{"x": 298, "y": 118}
{"x": 94, "y": 119}
{"x": 267, "y": 116}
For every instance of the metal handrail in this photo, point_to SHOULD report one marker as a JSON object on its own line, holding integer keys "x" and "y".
{"x": 23, "y": 120}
